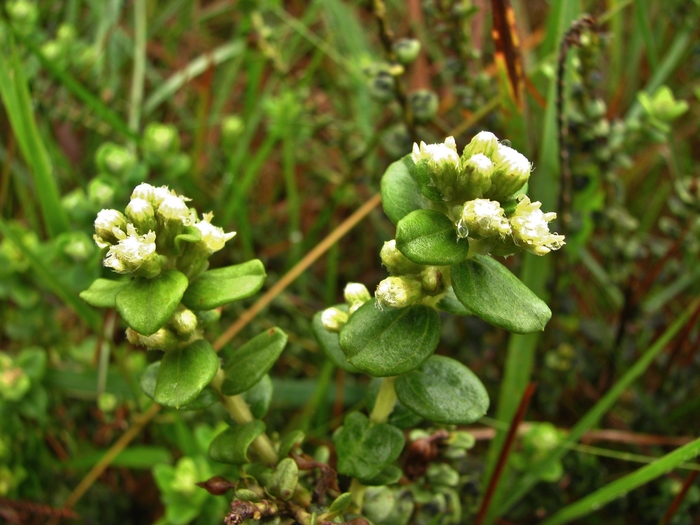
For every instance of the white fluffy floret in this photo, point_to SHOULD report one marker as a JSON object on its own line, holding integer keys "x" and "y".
{"x": 131, "y": 251}
{"x": 531, "y": 228}
{"x": 437, "y": 154}
{"x": 483, "y": 218}
{"x": 213, "y": 237}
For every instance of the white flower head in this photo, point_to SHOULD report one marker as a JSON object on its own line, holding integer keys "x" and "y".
{"x": 398, "y": 292}
{"x": 511, "y": 173}
{"x": 213, "y": 237}
{"x": 437, "y": 154}
{"x": 484, "y": 142}
{"x": 105, "y": 222}
{"x": 531, "y": 228}
{"x": 395, "y": 261}
{"x": 132, "y": 250}
{"x": 173, "y": 208}
{"x": 143, "y": 191}
{"x": 356, "y": 294}
{"x": 333, "y": 319}
{"x": 475, "y": 176}
{"x": 139, "y": 211}
{"x": 483, "y": 218}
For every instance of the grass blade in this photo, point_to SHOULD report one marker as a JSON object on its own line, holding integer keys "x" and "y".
{"x": 15, "y": 95}
{"x": 622, "y": 486}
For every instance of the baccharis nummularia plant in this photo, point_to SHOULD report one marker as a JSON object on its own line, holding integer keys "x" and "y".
{"x": 452, "y": 213}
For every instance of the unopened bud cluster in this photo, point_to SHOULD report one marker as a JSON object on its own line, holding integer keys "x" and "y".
{"x": 409, "y": 283}
{"x": 334, "y": 318}
{"x": 156, "y": 232}
{"x": 478, "y": 186}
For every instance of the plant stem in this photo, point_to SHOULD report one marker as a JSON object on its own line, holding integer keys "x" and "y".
{"x": 357, "y": 490}
{"x": 139, "y": 72}
{"x": 240, "y": 412}
{"x": 386, "y": 399}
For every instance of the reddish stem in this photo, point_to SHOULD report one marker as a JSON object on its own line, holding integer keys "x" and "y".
{"x": 679, "y": 498}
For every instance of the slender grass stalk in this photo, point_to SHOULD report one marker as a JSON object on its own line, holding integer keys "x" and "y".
{"x": 139, "y": 71}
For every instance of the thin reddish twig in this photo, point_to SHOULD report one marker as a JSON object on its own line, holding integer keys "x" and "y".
{"x": 679, "y": 498}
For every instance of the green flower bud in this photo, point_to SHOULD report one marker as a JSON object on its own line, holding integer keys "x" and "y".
{"x": 14, "y": 382}
{"x": 432, "y": 281}
{"x": 483, "y": 219}
{"x": 530, "y": 228}
{"x": 356, "y": 293}
{"x": 140, "y": 212}
{"x": 399, "y": 292}
{"x": 107, "y": 402}
{"x": 424, "y": 104}
{"x": 232, "y": 127}
{"x": 334, "y": 319}
{"x": 475, "y": 176}
{"x": 159, "y": 140}
{"x": 163, "y": 340}
{"x": 382, "y": 87}
{"x": 407, "y": 50}
{"x": 53, "y": 51}
{"x": 105, "y": 224}
{"x": 23, "y": 14}
{"x": 186, "y": 476}
{"x": 66, "y": 34}
{"x": 512, "y": 171}
{"x": 184, "y": 322}
{"x": 78, "y": 246}
{"x": 483, "y": 142}
{"x": 662, "y": 105}
{"x": 101, "y": 192}
{"x": 396, "y": 141}
{"x": 396, "y": 262}
{"x": 114, "y": 159}
{"x": 179, "y": 164}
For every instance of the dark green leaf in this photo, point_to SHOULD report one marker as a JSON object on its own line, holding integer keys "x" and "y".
{"x": 491, "y": 291}
{"x": 365, "y": 449}
{"x": 224, "y": 285}
{"x": 259, "y": 397}
{"x": 147, "y": 304}
{"x": 328, "y": 341}
{"x": 103, "y": 292}
{"x": 292, "y": 440}
{"x": 390, "y": 341}
{"x": 184, "y": 373}
{"x": 443, "y": 390}
{"x": 205, "y": 399}
{"x": 249, "y": 363}
{"x": 400, "y": 192}
{"x": 231, "y": 446}
{"x": 426, "y": 185}
{"x": 429, "y": 237}
{"x": 33, "y": 361}
{"x": 449, "y": 303}
{"x": 391, "y": 474}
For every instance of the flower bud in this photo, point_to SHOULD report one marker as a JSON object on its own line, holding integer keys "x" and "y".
{"x": 134, "y": 253}
{"x": 163, "y": 340}
{"x": 105, "y": 224}
{"x": 424, "y": 104}
{"x": 511, "y": 173}
{"x": 66, "y": 34}
{"x": 100, "y": 192}
{"x": 114, "y": 159}
{"x": 431, "y": 279}
{"x": 23, "y": 14}
{"x": 53, "y": 51}
{"x": 483, "y": 219}
{"x": 395, "y": 261}
{"x": 483, "y": 142}
{"x": 437, "y": 155}
{"x": 475, "y": 176}
{"x": 232, "y": 127}
{"x": 399, "y": 292}
{"x": 78, "y": 246}
{"x": 407, "y": 50}
{"x": 530, "y": 228}
{"x": 213, "y": 237}
{"x": 14, "y": 382}
{"x": 173, "y": 208}
{"x": 382, "y": 87}
{"x": 333, "y": 319}
{"x": 159, "y": 140}
{"x": 141, "y": 213}
{"x": 184, "y": 322}
{"x": 356, "y": 293}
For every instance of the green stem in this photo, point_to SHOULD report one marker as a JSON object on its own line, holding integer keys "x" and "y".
{"x": 357, "y": 491}
{"x": 139, "y": 72}
{"x": 386, "y": 399}
{"x": 241, "y": 414}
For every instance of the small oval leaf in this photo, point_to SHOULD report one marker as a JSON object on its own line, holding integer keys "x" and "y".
{"x": 444, "y": 391}
{"x": 147, "y": 304}
{"x": 103, "y": 292}
{"x": 247, "y": 365}
{"x": 429, "y": 237}
{"x": 365, "y": 449}
{"x": 259, "y": 397}
{"x": 224, "y": 285}
{"x": 491, "y": 291}
{"x": 400, "y": 192}
{"x": 231, "y": 446}
{"x": 328, "y": 341}
{"x": 184, "y": 373}
{"x": 390, "y": 341}
{"x": 205, "y": 399}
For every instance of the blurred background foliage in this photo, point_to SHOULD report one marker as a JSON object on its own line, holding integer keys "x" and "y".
{"x": 280, "y": 116}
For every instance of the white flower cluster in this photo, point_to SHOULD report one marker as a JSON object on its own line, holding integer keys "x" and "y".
{"x": 437, "y": 154}
{"x": 334, "y": 319}
{"x": 530, "y": 228}
{"x": 139, "y": 240}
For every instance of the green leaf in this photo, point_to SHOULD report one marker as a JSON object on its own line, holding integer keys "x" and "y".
{"x": 205, "y": 399}
{"x": 400, "y": 192}
{"x": 492, "y": 292}
{"x": 249, "y": 363}
{"x": 136, "y": 457}
{"x": 450, "y": 304}
{"x": 421, "y": 173}
{"x": 231, "y": 446}
{"x": 33, "y": 361}
{"x": 328, "y": 341}
{"x": 391, "y": 474}
{"x": 224, "y": 285}
{"x": 147, "y": 304}
{"x": 443, "y": 390}
{"x": 429, "y": 237}
{"x": 184, "y": 373}
{"x": 390, "y": 341}
{"x": 103, "y": 293}
{"x": 191, "y": 234}
{"x": 365, "y": 449}
{"x": 259, "y": 397}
